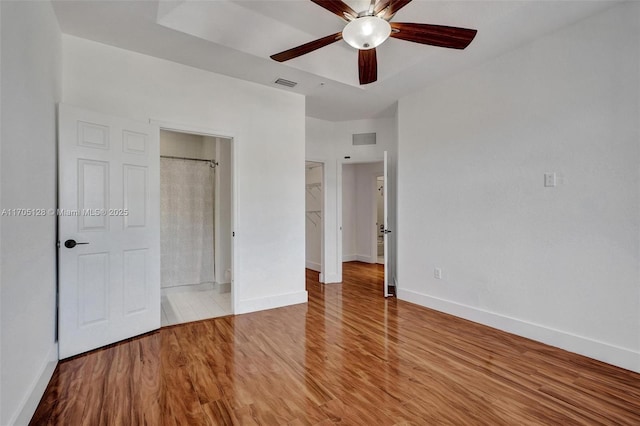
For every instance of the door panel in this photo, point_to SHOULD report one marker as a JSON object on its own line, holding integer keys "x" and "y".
{"x": 135, "y": 281}
{"x": 93, "y": 277}
{"x": 109, "y": 282}
{"x": 136, "y": 193}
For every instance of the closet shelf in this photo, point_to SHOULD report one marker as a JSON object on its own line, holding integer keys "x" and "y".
{"x": 311, "y": 186}
{"x": 313, "y": 214}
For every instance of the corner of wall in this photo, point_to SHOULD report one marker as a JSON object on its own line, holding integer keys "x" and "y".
{"x": 37, "y": 388}
{"x": 32, "y": 74}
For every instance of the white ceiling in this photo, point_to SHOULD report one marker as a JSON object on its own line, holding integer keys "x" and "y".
{"x": 236, "y": 38}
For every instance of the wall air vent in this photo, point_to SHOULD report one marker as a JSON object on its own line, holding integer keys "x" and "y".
{"x": 284, "y": 82}
{"x": 364, "y": 139}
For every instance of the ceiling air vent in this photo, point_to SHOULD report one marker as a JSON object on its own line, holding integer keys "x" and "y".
{"x": 287, "y": 83}
{"x": 364, "y": 139}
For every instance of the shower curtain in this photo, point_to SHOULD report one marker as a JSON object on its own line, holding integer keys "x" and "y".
{"x": 186, "y": 231}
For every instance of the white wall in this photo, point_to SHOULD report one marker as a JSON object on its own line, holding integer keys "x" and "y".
{"x": 209, "y": 147}
{"x": 31, "y": 81}
{"x": 268, "y": 129}
{"x": 176, "y": 144}
{"x": 313, "y": 203}
{"x": 330, "y": 142}
{"x": 559, "y": 265}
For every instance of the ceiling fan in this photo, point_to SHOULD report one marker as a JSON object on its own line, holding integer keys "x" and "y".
{"x": 370, "y": 28}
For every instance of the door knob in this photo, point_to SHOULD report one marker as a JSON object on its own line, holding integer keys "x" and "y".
{"x": 72, "y": 243}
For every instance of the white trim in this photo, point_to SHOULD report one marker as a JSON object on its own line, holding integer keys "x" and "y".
{"x": 271, "y": 302}
{"x": 595, "y": 349}
{"x": 29, "y": 403}
{"x": 314, "y": 266}
{"x": 205, "y": 131}
{"x": 331, "y": 279}
{"x": 192, "y": 129}
{"x": 358, "y": 258}
{"x": 366, "y": 258}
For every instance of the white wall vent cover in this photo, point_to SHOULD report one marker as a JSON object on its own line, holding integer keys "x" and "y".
{"x": 364, "y": 139}
{"x": 284, "y": 82}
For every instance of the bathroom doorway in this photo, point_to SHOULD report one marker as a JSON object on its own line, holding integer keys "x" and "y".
{"x": 195, "y": 227}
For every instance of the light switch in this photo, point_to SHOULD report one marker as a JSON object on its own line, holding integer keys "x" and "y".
{"x": 550, "y": 180}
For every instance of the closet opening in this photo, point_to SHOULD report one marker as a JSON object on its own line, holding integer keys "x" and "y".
{"x": 314, "y": 214}
{"x": 195, "y": 226}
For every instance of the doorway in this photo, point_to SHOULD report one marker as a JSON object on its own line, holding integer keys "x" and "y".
{"x": 363, "y": 212}
{"x": 314, "y": 224}
{"x": 195, "y": 226}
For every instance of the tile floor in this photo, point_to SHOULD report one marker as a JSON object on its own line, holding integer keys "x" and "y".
{"x": 189, "y": 305}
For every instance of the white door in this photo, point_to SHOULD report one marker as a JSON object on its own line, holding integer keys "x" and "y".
{"x": 387, "y": 231}
{"x": 109, "y": 281}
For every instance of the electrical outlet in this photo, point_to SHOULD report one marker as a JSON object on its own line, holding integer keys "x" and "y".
{"x": 437, "y": 273}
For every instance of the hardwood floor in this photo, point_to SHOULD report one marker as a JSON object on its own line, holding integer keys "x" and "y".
{"x": 347, "y": 357}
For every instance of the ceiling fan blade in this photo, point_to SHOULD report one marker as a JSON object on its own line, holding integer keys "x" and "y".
{"x": 388, "y": 8}
{"x": 367, "y": 66}
{"x": 435, "y": 35}
{"x": 338, "y": 7}
{"x": 382, "y": 5}
{"x": 306, "y": 48}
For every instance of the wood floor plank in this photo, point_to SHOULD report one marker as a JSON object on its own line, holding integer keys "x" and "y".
{"x": 348, "y": 356}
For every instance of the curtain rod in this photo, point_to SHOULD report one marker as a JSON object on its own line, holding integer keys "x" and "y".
{"x": 213, "y": 163}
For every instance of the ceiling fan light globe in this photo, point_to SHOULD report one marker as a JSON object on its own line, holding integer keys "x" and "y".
{"x": 366, "y": 32}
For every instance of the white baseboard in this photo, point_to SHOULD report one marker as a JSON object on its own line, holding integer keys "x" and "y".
{"x": 314, "y": 266}
{"x": 330, "y": 279}
{"x": 365, "y": 258}
{"x": 595, "y": 349}
{"x": 358, "y": 258}
{"x": 28, "y": 405}
{"x": 263, "y": 303}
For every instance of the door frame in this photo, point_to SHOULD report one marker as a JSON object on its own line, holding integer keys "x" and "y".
{"x": 204, "y": 131}
{"x": 340, "y": 164}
